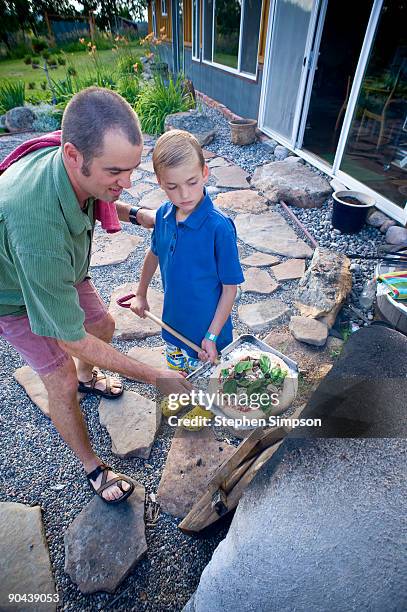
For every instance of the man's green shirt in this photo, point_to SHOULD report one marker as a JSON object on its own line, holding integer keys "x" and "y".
{"x": 45, "y": 242}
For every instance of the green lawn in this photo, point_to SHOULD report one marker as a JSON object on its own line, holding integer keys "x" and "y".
{"x": 14, "y": 70}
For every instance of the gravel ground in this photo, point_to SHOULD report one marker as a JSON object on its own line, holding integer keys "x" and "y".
{"x": 39, "y": 469}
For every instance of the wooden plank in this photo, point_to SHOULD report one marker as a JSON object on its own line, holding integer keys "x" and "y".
{"x": 229, "y": 483}
{"x": 202, "y": 514}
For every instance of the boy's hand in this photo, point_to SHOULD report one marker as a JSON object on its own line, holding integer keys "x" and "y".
{"x": 209, "y": 351}
{"x": 138, "y": 305}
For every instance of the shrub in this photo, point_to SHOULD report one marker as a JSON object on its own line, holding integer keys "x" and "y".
{"x": 12, "y": 94}
{"x": 27, "y": 60}
{"x": 52, "y": 61}
{"x": 19, "y": 51}
{"x": 44, "y": 85}
{"x": 31, "y": 85}
{"x": 129, "y": 88}
{"x": 35, "y": 61}
{"x": 158, "y": 99}
{"x": 39, "y": 45}
{"x": 129, "y": 64}
{"x": 71, "y": 71}
{"x": 61, "y": 60}
{"x": 46, "y": 55}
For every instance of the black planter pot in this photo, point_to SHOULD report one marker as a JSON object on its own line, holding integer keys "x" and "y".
{"x": 349, "y": 217}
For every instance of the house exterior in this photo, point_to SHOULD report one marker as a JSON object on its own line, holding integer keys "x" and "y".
{"x": 325, "y": 78}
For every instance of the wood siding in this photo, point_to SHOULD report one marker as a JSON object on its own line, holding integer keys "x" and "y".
{"x": 188, "y": 23}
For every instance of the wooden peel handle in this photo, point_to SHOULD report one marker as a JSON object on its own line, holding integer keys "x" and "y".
{"x": 172, "y": 331}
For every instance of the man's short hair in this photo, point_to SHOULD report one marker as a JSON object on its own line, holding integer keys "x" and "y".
{"x": 90, "y": 114}
{"x": 175, "y": 148}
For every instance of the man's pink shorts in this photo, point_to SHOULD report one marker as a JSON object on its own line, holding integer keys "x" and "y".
{"x": 44, "y": 354}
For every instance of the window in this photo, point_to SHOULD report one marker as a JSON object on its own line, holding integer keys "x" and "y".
{"x": 164, "y": 12}
{"x": 231, "y": 31}
{"x": 196, "y": 29}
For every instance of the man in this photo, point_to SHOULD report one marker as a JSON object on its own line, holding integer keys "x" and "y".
{"x": 49, "y": 310}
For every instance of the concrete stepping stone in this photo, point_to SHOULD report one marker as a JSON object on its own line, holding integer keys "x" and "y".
{"x": 115, "y": 248}
{"x": 154, "y": 356}
{"x": 25, "y": 564}
{"x": 218, "y": 162}
{"x": 34, "y": 387}
{"x": 153, "y": 199}
{"x": 309, "y": 330}
{"x": 233, "y": 177}
{"x": 270, "y": 233}
{"x": 295, "y": 184}
{"x": 291, "y": 269}
{"x": 193, "y": 458}
{"x": 244, "y": 200}
{"x": 260, "y": 260}
{"x": 138, "y": 189}
{"x": 104, "y": 543}
{"x": 260, "y": 315}
{"x": 208, "y": 154}
{"x": 132, "y": 424}
{"x": 258, "y": 281}
{"x": 146, "y": 166}
{"x": 128, "y": 325}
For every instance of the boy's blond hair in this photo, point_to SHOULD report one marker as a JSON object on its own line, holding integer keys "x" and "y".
{"x": 175, "y": 148}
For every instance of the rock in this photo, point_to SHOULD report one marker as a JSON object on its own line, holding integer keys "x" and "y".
{"x": 396, "y": 235}
{"x": 258, "y": 281}
{"x": 128, "y": 325}
{"x": 3, "y": 121}
{"x": 194, "y": 122}
{"x": 135, "y": 175}
{"x": 334, "y": 344}
{"x": 154, "y": 199}
{"x": 295, "y": 184}
{"x": 388, "y": 223}
{"x": 132, "y": 425}
{"x": 152, "y": 179}
{"x": 293, "y": 159}
{"x": 324, "y": 286}
{"x": 193, "y": 458}
{"x": 316, "y": 506}
{"x": 260, "y": 315}
{"x": 281, "y": 153}
{"x": 218, "y": 162}
{"x": 153, "y": 356}
{"x": 208, "y": 154}
{"x": 243, "y": 200}
{"x": 24, "y": 557}
{"x": 309, "y": 330}
{"x": 260, "y": 260}
{"x": 232, "y": 177}
{"x": 376, "y": 218}
{"x": 104, "y": 543}
{"x": 139, "y": 189}
{"x": 147, "y": 150}
{"x": 110, "y": 249}
{"x": 146, "y": 166}
{"x": 20, "y": 118}
{"x": 270, "y": 233}
{"x": 34, "y": 387}
{"x": 293, "y": 268}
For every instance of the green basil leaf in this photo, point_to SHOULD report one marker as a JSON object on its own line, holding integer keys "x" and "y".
{"x": 242, "y": 366}
{"x": 230, "y": 386}
{"x": 265, "y": 364}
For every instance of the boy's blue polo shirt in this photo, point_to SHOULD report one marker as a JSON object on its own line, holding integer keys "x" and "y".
{"x": 197, "y": 256}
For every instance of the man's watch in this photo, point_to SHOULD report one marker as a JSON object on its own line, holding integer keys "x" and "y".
{"x": 210, "y": 336}
{"x": 133, "y": 214}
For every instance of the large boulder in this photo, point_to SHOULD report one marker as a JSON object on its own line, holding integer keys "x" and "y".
{"x": 295, "y": 184}
{"x": 324, "y": 286}
{"x": 321, "y": 526}
{"x": 195, "y": 123}
{"x": 19, "y": 118}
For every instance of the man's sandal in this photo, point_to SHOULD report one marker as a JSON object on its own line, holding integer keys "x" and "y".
{"x": 90, "y": 385}
{"x": 103, "y": 468}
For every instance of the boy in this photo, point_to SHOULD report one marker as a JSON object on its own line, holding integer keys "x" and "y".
{"x": 195, "y": 245}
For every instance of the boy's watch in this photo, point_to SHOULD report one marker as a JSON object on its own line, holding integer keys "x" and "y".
{"x": 210, "y": 336}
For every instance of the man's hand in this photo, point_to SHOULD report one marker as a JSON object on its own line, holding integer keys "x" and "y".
{"x": 209, "y": 350}
{"x": 138, "y": 305}
{"x": 169, "y": 381}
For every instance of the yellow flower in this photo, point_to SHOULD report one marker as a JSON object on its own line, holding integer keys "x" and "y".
{"x": 135, "y": 67}
{"x": 117, "y": 38}
{"x": 149, "y": 36}
{"x": 149, "y": 55}
{"x": 89, "y": 44}
{"x": 82, "y": 41}
{"x": 162, "y": 30}
{"x": 93, "y": 48}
